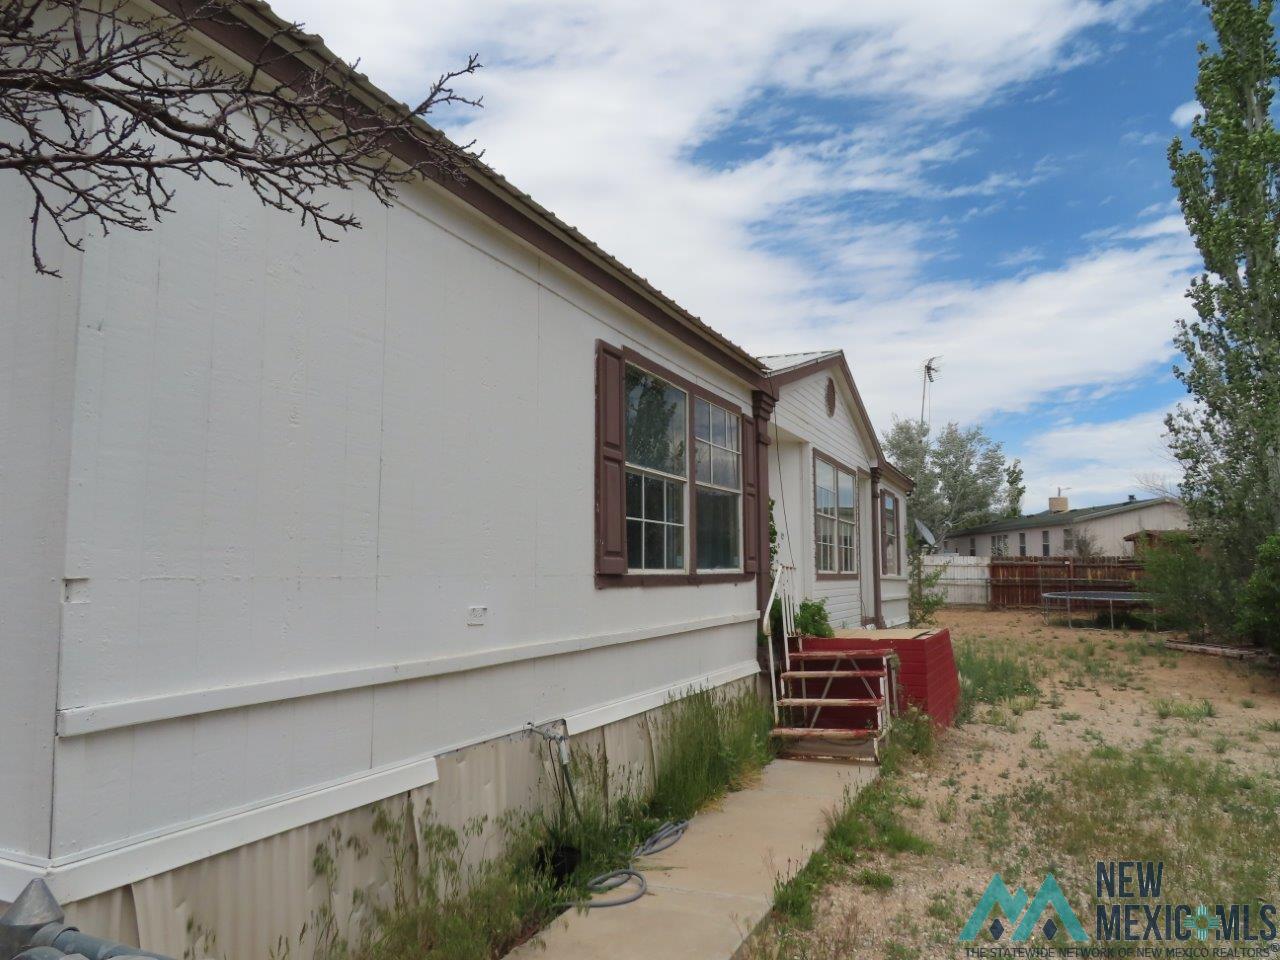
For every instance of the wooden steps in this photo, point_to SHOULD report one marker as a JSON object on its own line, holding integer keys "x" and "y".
{"x": 832, "y": 698}
{"x": 828, "y": 702}
{"x": 823, "y": 674}
{"x": 823, "y": 733}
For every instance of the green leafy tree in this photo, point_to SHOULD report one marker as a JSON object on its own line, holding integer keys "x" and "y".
{"x": 1259, "y": 602}
{"x": 962, "y": 477}
{"x": 907, "y": 444}
{"x": 1188, "y": 590}
{"x": 1228, "y": 438}
{"x": 1015, "y": 488}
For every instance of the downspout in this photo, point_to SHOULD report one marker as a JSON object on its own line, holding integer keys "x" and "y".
{"x": 762, "y": 404}
{"x": 876, "y": 547}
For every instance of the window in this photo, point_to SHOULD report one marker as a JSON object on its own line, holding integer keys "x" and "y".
{"x": 1000, "y": 545}
{"x": 1044, "y": 543}
{"x": 835, "y": 523}
{"x": 656, "y": 467}
{"x": 717, "y": 457}
{"x": 973, "y": 546}
{"x": 677, "y": 478}
{"x": 1068, "y": 540}
{"x": 1022, "y": 544}
{"x": 889, "y": 520}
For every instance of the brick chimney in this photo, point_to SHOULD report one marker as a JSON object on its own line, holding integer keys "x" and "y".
{"x": 1058, "y": 504}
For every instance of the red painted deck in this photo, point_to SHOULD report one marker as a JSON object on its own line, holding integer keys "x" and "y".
{"x": 927, "y": 668}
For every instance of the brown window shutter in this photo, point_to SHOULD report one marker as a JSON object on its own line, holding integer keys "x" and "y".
{"x": 750, "y": 497}
{"x": 611, "y": 523}
{"x": 884, "y": 533}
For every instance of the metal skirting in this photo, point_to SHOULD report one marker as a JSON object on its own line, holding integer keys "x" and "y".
{"x": 249, "y": 896}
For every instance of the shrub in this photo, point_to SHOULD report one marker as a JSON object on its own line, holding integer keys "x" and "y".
{"x": 923, "y": 600}
{"x": 812, "y": 619}
{"x": 1259, "y": 617}
{"x": 1189, "y": 589}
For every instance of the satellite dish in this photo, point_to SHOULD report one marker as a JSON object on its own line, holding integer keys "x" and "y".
{"x": 925, "y": 534}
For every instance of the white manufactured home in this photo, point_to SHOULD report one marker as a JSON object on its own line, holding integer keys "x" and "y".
{"x": 290, "y": 527}
{"x": 1109, "y": 529}
{"x": 839, "y": 506}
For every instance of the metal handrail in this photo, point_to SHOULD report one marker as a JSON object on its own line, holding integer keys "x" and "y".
{"x": 783, "y": 590}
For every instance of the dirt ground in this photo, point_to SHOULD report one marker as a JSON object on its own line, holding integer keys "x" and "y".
{"x": 1096, "y": 687}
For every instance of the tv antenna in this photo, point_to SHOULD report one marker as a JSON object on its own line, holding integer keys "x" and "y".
{"x": 927, "y": 376}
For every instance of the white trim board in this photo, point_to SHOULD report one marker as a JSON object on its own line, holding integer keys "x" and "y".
{"x": 83, "y": 875}
{"x": 80, "y": 720}
{"x": 585, "y": 720}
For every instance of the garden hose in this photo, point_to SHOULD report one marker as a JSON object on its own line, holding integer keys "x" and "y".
{"x": 661, "y": 839}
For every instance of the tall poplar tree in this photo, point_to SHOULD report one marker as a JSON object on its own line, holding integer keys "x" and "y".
{"x": 1228, "y": 436}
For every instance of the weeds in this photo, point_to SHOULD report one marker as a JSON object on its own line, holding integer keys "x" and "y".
{"x": 785, "y": 942}
{"x": 874, "y": 880}
{"x": 447, "y": 901}
{"x": 1193, "y": 710}
{"x": 1109, "y": 799}
{"x": 947, "y": 809}
{"x": 870, "y": 822}
{"x": 708, "y": 745}
{"x": 992, "y": 677}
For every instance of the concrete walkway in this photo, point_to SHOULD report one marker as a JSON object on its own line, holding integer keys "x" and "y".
{"x": 709, "y": 891}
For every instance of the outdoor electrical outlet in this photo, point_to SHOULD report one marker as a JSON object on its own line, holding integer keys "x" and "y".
{"x": 476, "y": 616}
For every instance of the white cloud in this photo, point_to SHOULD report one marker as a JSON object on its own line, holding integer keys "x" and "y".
{"x": 1147, "y": 138}
{"x": 1185, "y": 113}
{"x": 1098, "y": 319}
{"x": 1099, "y": 462}
{"x": 1021, "y": 257}
{"x": 598, "y": 109}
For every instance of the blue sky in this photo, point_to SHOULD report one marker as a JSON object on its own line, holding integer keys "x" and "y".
{"x": 900, "y": 178}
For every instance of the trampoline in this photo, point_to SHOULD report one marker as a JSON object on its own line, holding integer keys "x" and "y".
{"x": 1093, "y": 599}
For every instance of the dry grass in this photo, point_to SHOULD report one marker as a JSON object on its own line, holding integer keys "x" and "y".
{"x": 1082, "y": 745}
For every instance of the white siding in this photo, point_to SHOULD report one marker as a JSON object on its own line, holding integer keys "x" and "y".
{"x": 302, "y": 461}
{"x": 894, "y": 589}
{"x": 802, "y": 410}
{"x": 803, "y": 426}
{"x": 1108, "y": 532}
{"x": 37, "y": 359}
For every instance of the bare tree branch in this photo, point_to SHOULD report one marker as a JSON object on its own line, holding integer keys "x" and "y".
{"x": 1158, "y": 485}
{"x": 100, "y": 103}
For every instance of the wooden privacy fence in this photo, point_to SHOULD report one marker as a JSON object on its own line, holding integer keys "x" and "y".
{"x": 964, "y": 581}
{"x": 1023, "y": 581}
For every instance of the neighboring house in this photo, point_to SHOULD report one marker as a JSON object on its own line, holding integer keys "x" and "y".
{"x": 292, "y": 527}
{"x": 1055, "y": 532}
{"x": 838, "y": 506}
